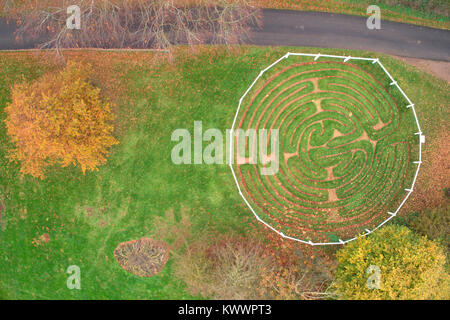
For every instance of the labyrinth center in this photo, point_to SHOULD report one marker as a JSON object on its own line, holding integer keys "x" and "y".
{"x": 343, "y": 159}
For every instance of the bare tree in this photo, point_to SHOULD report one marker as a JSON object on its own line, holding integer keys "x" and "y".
{"x": 157, "y": 24}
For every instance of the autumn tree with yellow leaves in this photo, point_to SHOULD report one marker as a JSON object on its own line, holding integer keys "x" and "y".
{"x": 393, "y": 263}
{"x": 59, "y": 119}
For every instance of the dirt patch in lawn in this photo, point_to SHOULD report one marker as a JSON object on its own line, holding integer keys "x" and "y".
{"x": 439, "y": 69}
{"x": 42, "y": 239}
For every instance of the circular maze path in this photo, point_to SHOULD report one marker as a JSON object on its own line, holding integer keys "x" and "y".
{"x": 346, "y": 145}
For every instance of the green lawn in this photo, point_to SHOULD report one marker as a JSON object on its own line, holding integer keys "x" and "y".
{"x": 87, "y": 216}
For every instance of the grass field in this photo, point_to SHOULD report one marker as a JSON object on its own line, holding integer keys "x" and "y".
{"x": 71, "y": 219}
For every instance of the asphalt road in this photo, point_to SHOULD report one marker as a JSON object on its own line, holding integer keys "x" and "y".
{"x": 317, "y": 29}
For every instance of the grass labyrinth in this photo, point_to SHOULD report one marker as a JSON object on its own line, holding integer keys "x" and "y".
{"x": 346, "y": 147}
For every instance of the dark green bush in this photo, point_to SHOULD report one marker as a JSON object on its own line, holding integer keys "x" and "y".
{"x": 433, "y": 223}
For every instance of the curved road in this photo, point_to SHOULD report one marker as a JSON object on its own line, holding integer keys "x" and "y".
{"x": 327, "y": 30}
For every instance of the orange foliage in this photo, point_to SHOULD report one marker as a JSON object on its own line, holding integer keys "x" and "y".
{"x": 59, "y": 119}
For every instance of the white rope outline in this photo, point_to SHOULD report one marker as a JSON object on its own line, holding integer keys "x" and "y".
{"x": 316, "y": 57}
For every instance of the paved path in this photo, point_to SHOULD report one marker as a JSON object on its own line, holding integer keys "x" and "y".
{"x": 317, "y": 29}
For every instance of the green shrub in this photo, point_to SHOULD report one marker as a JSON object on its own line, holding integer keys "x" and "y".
{"x": 411, "y": 267}
{"x": 433, "y": 223}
